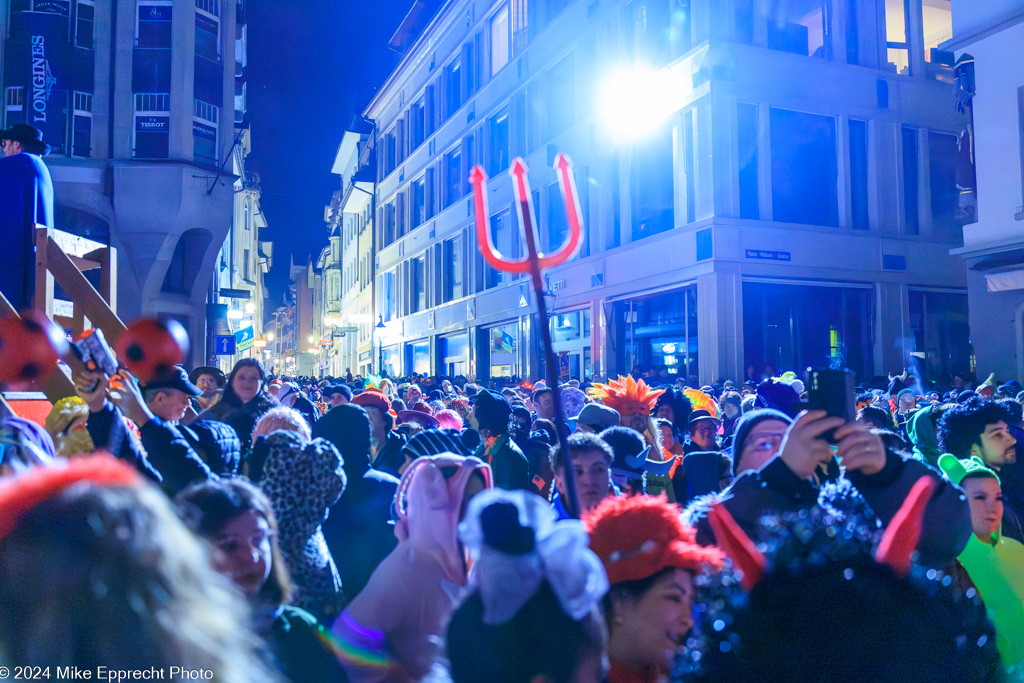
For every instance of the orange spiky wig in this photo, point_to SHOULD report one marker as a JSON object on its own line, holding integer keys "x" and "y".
{"x": 626, "y": 395}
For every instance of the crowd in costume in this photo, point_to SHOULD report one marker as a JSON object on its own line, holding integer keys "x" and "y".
{"x": 366, "y": 529}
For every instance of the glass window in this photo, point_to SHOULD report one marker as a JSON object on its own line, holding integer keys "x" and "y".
{"x": 555, "y": 230}
{"x": 454, "y": 269}
{"x": 84, "y": 24}
{"x": 897, "y": 13}
{"x": 502, "y": 237}
{"x": 803, "y": 148}
{"x": 661, "y": 334}
{"x": 910, "y": 181}
{"x": 14, "y": 105}
{"x": 154, "y": 28}
{"x": 788, "y": 327}
{"x": 207, "y": 36}
{"x": 419, "y": 357}
{"x": 651, "y": 184}
{"x": 503, "y": 350}
{"x": 81, "y": 143}
{"x": 152, "y": 125}
{"x": 498, "y": 154}
{"x": 747, "y": 134}
{"x": 802, "y": 27}
{"x": 418, "y": 267}
{"x": 418, "y": 124}
{"x": 561, "y": 97}
{"x": 938, "y": 28}
{"x": 942, "y": 337}
{"x": 419, "y": 196}
{"x": 943, "y": 154}
{"x": 453, "y": 176}
{"x": 499, "y": 31}
{"x": 566, "y": 327}
{"x": 859, "y": 173}
{"x": 455, "y": 355}
{"x": 453, "y": 88}
{"x": 204, "y": 132}
{"x": 520, "y": 15}
{"x": 386, "y": 295}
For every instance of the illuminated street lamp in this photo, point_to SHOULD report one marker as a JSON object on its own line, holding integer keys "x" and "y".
{"x": 633, "y": 102}
{"x": 380, "y": 339}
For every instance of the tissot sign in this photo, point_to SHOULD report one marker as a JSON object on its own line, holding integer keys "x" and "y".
{"x": 43, "y": 37}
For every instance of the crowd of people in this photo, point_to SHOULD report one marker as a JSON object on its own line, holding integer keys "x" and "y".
{"x": 367, "y": 529}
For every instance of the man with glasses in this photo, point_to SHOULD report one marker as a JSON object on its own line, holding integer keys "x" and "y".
{"x": 782, "y": 466}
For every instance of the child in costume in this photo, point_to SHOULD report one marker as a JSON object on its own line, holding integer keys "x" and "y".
{"x": 994, "y": 563}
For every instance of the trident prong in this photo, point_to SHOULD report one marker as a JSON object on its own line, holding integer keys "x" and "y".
{"x": 533, "y": 264}
{"x": 527, "y": 218}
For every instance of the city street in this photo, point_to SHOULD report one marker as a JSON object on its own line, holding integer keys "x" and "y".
{"x": 386, "y": 297}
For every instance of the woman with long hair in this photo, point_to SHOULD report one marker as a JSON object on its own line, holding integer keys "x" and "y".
{"x": 96, "y": 570}
{"x": 245, "y": 399}
{"x": 239, "y": 522}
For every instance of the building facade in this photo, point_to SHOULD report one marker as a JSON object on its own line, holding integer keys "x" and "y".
{"x": 991, "y": 36}
{"x": 238, "y": 296}
{"x": 781, "y": 191}
{"x": 137, "y": 101}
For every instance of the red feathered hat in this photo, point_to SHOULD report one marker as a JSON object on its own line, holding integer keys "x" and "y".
{"x": 636, "y": 537}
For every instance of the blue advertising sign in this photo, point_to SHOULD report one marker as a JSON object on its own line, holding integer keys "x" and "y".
{"x": 563, "y": 365}
{"x": 769, "y": 255}
{"x": 152, "y": 124}
{"x": 224, "y": 345}
{"x": 245, "y": 338}
{"x": 46, "y": 89}
{"x": 203, "y": 131}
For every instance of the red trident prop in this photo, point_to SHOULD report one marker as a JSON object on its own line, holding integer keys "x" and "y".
{"x": 533, "y": 264}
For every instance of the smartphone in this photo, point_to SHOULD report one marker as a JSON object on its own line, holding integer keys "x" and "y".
{"x": 832, "y": 391}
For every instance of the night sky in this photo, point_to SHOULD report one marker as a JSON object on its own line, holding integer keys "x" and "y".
{"x": 313, "y": 65}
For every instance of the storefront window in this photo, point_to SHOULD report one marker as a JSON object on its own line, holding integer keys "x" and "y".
{"x": 392, "y": 361}
{"x": 455, "y": 355}
{"x": 794, "y": 327}
{"x": 942, "y": 338}
{"x": 419, "y": 357}
{"x": 503, "y": 347}
{"x": 661, "y": 335}
{"x": 570, "y": 336}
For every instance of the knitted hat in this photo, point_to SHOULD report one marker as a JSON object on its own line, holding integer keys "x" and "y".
{"x": 958, "y": 470}
{"x": 637, "y": 537}
{"x": 777, "y": 396}
{"x": 435, "y": 442}
{"x": 492, "y": 407}
{"x": 573, "y": 400}
{"x": 748, "y": 422}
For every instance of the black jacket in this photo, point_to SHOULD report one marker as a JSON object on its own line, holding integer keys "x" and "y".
{"x": 166, "y": 456}
{"x": 358, "y": 528}
{"x": 509, "y": 467}
{"x": 241, "y": 416}
{"x": 776, "y": 489}
{"x": 389, "y": 459}
{"x": 215, "y": 443}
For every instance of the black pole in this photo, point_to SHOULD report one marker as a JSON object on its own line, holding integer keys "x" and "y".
{"x": 549, "y": 357}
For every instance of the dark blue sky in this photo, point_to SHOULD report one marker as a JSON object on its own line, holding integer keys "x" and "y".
{"x": 313, "y": 65}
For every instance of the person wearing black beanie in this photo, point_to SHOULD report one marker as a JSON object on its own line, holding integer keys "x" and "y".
{"x": 752, "y": 448}
{"x": 490, "y": 416}
{"x": 357, "y": 530}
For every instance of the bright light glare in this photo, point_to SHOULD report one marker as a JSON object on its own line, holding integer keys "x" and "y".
{"x": 633, "y": 102}
{"x": 235, "y": 315}
{"x": 250, "y": 308}
{"x": 357, "y": 318}
{"x": 270, "y": 336}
